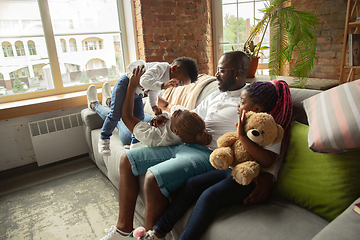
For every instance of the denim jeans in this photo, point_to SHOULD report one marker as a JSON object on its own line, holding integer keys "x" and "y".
{"x": 116, "y": 103}
{"x": 214, "y": 189}
{"x": 124, "y": 133}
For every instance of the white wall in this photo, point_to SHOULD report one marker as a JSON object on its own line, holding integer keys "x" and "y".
{"x": 15, "y": 143}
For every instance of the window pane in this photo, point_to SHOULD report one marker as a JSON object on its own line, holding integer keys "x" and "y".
{"x": 238, "y": 18}
{"x": 24, "y": 61}
{"x": 87, "y": 37}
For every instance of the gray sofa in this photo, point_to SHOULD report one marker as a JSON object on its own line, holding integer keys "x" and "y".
{"x": 275, "y": 219}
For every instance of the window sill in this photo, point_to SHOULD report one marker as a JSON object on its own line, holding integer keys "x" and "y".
{"x": 44, "y": 104}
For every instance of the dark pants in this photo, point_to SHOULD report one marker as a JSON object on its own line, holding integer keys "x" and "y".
{"x": 214, "y": 189}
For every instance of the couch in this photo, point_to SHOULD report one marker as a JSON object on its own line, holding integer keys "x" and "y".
{"x": 282, "y": 216}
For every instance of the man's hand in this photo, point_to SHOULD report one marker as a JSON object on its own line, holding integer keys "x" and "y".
{"x": 262, "y": 189}
{"x": 172, "y": 83}
{"x": 135, "y": 78}
{"x": 157, "y": 110}
{"x": 158, "y": 121}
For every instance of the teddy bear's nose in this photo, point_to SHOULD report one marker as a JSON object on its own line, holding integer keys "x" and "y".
{"x": 255, "y": 133}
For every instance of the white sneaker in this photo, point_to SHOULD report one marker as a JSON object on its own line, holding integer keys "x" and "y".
{"x": 150, "y": 235}
{"x": 104, "y": 147}
{"x": 114, "y": 234}
{"x": 91, "y": 95}
{"x": 106, "y": 93}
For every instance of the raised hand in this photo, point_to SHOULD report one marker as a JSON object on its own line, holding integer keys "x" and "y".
{"x": 135, "y": 78}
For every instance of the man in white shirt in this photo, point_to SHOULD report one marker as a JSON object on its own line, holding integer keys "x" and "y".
{"x": 167, "y": 168}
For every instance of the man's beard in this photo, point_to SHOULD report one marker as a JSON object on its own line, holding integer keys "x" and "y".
{"x": 227, "y": 84}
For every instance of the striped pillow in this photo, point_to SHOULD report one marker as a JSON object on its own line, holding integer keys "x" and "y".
{"x": 334, "y": 119}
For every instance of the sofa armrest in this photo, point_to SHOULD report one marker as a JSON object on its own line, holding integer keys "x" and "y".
{"x": 91, "y": 119}
{"x": 345, "y": 226}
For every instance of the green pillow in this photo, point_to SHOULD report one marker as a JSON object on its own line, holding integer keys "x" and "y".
{"x": 323, "y": 183}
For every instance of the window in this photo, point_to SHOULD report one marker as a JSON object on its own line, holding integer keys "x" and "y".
{"x": 63, "y": 45}
{"x": 31, "y": 47}
{"x": 29, "y": 33}
{"x": 19, "y": 49}
{"x": 73, "y": 46}
{"x": 7, "y": 49}
{"x": 233, "y": 20}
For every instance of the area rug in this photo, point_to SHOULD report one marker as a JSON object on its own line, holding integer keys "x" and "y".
{"x": 75, "y": 206}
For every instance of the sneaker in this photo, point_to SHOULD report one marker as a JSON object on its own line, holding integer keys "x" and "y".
{"x": 150, "y": 235}
{"x": 104, "y": 147}
{"x": 91, "y": 95}
{"x": 106, "y": 93}
{"x": 114, "y": 234}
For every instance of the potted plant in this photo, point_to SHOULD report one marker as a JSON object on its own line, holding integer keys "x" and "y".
{"x": 293, "y": 38}
{"x": 252, "y": 50}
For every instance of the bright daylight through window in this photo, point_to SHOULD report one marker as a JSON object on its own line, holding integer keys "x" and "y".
{"x": 87, "y": 41}
{"x": 239, "y": 16}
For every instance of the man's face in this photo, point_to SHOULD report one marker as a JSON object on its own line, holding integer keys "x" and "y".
{"x": 225, "y": 75}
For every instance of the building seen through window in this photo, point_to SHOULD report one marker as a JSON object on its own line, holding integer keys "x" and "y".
{"x": 87, "y": 39}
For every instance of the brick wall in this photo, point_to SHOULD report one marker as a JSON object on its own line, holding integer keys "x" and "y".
{"x": 332, "y": 14}
{"x": 168, "y": 29}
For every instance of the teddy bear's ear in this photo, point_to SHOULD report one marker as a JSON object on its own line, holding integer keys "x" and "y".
{"x": 249, "y": 114}
{"x": 280, "y": 135}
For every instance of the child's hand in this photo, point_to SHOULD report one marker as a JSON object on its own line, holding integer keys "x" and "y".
{"x": 172, "y": 83}
{"x": 135, "y": 78}
{"x": 158, "y": 121}
{"x": 157, "y": 110}
{"x": 241, "y": 124}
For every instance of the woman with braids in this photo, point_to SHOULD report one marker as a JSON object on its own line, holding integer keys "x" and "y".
{"x": 182, "y": 126}
{"x": 217, "y": 188}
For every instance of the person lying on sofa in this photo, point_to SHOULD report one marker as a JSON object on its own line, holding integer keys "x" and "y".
{"x": 183, "y": 125}
{"x": 216, "y": 189}
{"x": 167, "y": 168}
{"x": 158, "y": 76}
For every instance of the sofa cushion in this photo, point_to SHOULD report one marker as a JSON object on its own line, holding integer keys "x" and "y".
{"x": 345, "y": 226}
{"x": 273, "y": 219}
{"x": 323, "y": 183}
{"x": 334, "y": 119}
{"x": 298, "y": 95}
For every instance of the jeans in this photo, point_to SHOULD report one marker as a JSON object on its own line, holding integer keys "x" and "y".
{"x": 116, "y": 103}
{"x": 124, "y": 133}
{"x": 214, "y": 189}
{"x": 171, "y": 165}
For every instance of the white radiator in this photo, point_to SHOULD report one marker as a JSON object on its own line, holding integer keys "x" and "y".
{"x": 58, "y": 138}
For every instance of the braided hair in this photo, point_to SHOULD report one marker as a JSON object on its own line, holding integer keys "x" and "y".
{"x": 275, "y": 98}
{"x": 192, "y": 129}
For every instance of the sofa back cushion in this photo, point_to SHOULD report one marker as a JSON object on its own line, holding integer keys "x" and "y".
{"x": 323, "y": 183}
{"x": 298, "y": 96}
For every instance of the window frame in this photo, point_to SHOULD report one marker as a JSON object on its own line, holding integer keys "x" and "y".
{"x": 127, "y": 32}
{"x": 218, "y": 46}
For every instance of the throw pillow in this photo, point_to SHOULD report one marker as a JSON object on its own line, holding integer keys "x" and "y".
{"x": 323, "y": 183}
{"x": 334, "y": 119}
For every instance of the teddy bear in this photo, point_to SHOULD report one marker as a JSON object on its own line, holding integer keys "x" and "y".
{"x": 259, "y": 128}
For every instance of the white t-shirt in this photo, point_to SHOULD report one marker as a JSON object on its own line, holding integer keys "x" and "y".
{"x": 155, "y": 75}
{"x": 219, "y": 112}
{"x": 156, "y": 136}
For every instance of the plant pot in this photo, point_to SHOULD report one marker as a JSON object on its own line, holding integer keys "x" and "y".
{"x": 253, "y": 67}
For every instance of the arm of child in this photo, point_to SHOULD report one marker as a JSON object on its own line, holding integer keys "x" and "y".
{"x": 128, "y": 105}
{"x": 262, "y": 156}
{"x": 262, "y": 189}
{"x": 164, "y": 105}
